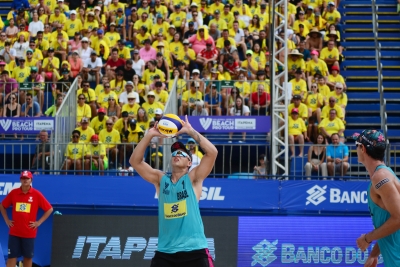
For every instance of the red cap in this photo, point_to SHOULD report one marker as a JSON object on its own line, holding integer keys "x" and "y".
{"x": 209, "y": 42}
{"x": 102, "y": 110}
{"x": 26, "y": 174}
{"x": 314, "y": 52}
{"x": 94, "y": 137}
{"x": 335, "y": 68}
{"x": 295, "y": 110}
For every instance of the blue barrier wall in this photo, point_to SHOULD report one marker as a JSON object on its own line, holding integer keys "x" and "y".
{"x": 97, "y": 195}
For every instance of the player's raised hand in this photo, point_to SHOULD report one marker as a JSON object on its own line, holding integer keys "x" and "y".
{"x": 186, "y": 128}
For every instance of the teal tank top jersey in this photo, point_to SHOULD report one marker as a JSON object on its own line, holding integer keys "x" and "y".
{"x": 390, "y": 245}
{"x": 180, "y": 227}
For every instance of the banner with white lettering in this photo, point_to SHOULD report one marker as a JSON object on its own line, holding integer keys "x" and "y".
{"x": 26, "y": 125}
{"x": 324, "y": 196}
{"x": 227, "y": 124}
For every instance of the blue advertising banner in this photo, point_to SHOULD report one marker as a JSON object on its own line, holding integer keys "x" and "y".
{"x": 227, "y": 124}
{"x": 302, "y": 241}
{"x": 67, "y": 190}
{"x": 324, "y": 195}
{"x": 26, "y": 125}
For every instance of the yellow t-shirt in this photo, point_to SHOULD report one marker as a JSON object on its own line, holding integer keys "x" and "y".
{"x": 190, "y": 97}
{"x": 331, "y": 17}
{"x": 313, "y": 100}
{"x": 313, "y": 67}
{"x": 324, "y": 89}
{"x": 240, "y": 10}
{"x": 244, "y": 88}
{"x": 327, "y": 108}
{"x": 176, "y": 48}
{"x": 43, "y": 18}
{"x": 21, "y": 74}
{"x": 213, "y": 7}
{"x": 143, "y": 125}
{"x": 177, "y": 18}
{"x": 229, "y": 18}
{"x": 141, "y": 37}
{"x": 112, "y": 37}
{"x": 99, "y": 150}
{"x": 162, "y": 96}
{"x": 298, "y": 87}
{"x": 296, "y": 127}
{"x": 294, "y": 65}
{"x": 86, "y": 135}
{"x": 254, "y": 64}
{"x": 58, "y": 47}
{"x": 337, "y": 79}
{"x": 114, "y": 84}
{"x": 83, "y": 111}
{"x": 160, "y": 28}
{"x": 75, "y": 150}
{"x": 148, "y": 76}
{"x": 44, "y": 45}
{"x": 37, "y": 54}
{"x": 303, "y": 110}
{"x": 132, "y": 110}
{"x": 221, "y": 24}
{"x": 124, "y": 53}
{"x": 90, "y": 25}
{"x": 135, "y": 135}
{"x": 340, "y": 99}
{"x": 102, "y": 98}
{"x": 326, "y": 54}
{"x": 260, "y": 58}
{"x": 333, "y": 126}
{"x": 114, "y": 8}
{"x": 151, "y": 108}
{"x": 110, "y": 139}
{"x": 71, "y": 27}
{"x": 98, "y": 125}
{"x": 32, "y": 63}
{"x": 90, "y": 95}
{"x": 55, "y": 61}
{"x": 61, "y": 19}
{"x": 220, "y": 42}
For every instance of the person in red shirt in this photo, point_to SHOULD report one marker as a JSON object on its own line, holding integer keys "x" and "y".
{"x": 259, "y": 102}
{"x": 112, "y": 63}
{"x": 232, "y": 67}
{"x": 26, "y": 202}
{"x": 208, "y": 54}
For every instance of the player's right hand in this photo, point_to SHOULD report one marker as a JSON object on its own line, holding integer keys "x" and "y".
{"x": 371, "y": 262}
{"x": 10, "y": 223}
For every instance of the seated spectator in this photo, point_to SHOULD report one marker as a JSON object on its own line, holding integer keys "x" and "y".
{"x": 295, "y": 63}
{"x": 37, "y": 82}
{"x": 50, "y": 66}
{"x": 330, "y": 55}
{"x": 297, "y": 132}
{"x": 98, "y": 123}
{"x": 260, "y": 170}
{"x": 12, "y": 109}
{"x": 200, "y": 39}
{"x": 113, "y": 63}
{"x": 316, "y": 158}
{"x": 64, "y": 83}
{"x": 239, "y": 109}
{"x": 111, "y": 138}
{"x": 340, "y": 97}
{"x": 160, "y": 93}
{"x": 208, "y": 54}
{"x": 232, "y": 67}
{"x": 131, "y": 136}
{"x": 150, "y": 72}
{"x": 42, "y": 152}
{"x": 331, "y": 125}
{"x": 113, "y": 110}
{"x": 158, "y": 114}
{"x": 151, "y": 105}
{"x": 337, "y": 157}
{"x": 147, "y": 52}
{"x": 314, "y": 65}
{"x": 123, "y": 97}
{"x": 92, "y": 68}
{"x": 142, "y": 119}
{"x": 323, "y": 89}
{"x": 250, "y": 65}
{"x": 302, "y": 108}
{"x": 335, "y": 77}
{"x": 200, "y": 109}
{"x": 213, "y": 102}
{"x": 127, "y": 70}
{"x": 99, "y": 87}
{"x": 118, "y": 84}
{"x": 196, "y": 154}
{"x": 231, "y": 102}
{"x": 122, "y": 123}
{"x": 74, "y": 153}
{"x": 189, "y": 98}
{"x": 52, "y": 111}
{"x": 95, "y": 156}
{"x": 243, "y": 86}
{"x": 8, "y": 87}
{"x": 30, "y": 108}
{"x": 85, "y": 131}
{"x": 314, "y": 102}
{"x": 260, "y": 79}
{"x": 103, "y": 97}
{"x": 138, "y": 64}
{"x": 8, "y": 52}
{"x": 131, "y": 106}
{"x": 332, "y": 105}
{"x": 314, "y": 42}
{"x": 82, "y": 109}
{"x": 299, "y": 85}
{"x": 259, "y": 102}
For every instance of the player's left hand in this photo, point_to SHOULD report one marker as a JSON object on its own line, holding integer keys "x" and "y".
{"x": 361, "y": 244}
{"x": 186, "y": 128}
{"x": 34, "y": 225}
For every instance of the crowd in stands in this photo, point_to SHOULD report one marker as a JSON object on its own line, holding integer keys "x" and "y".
{"x": 126, "y": 57}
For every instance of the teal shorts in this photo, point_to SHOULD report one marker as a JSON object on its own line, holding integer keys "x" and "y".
{"x": 94, "y": 168}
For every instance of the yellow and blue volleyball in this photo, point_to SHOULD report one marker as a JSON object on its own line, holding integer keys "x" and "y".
{"x": 169, "y": 125}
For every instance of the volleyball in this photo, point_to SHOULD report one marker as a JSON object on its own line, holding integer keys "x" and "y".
{"x": 169, "y": 125}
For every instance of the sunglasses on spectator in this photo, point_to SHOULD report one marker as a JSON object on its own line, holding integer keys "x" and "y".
{"x": 332, "y": 113}
{"x": 109, "y": 124}
{"x": 332, "y": 101}
{"x": 86, "y": 85}
{"x": 82, "y": 98}
{"x": 338, "y": 88}
{"x": 151, "y": 96}
{"x": 313, "y": 87}
{"x": 111, "y": 99}
{"x": 12, "y": 98}
{"x": 131, "y": 99}
{"x": 75, "y": 136}
{"x": 2, "y": 35}
{"x": 106, "y": 86}
{"x": 181, "y": 154}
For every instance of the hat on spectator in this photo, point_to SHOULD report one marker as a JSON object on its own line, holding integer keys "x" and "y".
{"x": 73, "y": 12}
{"x": 64, "y": 71}
{"x": 85, "y": 39}
{"x": 112, "y": 24}
{"x": 151, "y": 93}
{"x": 260, "y": 72}
{"x": 331, "y": 4}
{"x": 2, "y": 63}
{"x": 132, "y": 121}
{"x": 147, "y": 41}
{"x": 193, "y": 4}
{"x": 100, "y": 31}
{"x": 216, "y": 11}
{"x": 295, "y": 110}
{"x": 97, "y": 8}
{"x": 75, "y": 52}
{"x": 159, "y": 16}
{"x": 171, "y": 26}
{"x": 85, "y": 120}
{"x": 317, "y": 14}
{"x": 125, "y": 114}
{"x": 26, "y": 174}
{"x": 60, "y": 0}
{"x": 90, "y": 13}
{"x": 129, "y": 83}
{"x": 196, "y": 71}
{"x": 159, "y": 54}
{"x": 333, "y": 33}
{"x": 199, "y": 102}
{"x": 236, "y": 13}
{"x": 209, "y": 42}
{"x": 102, "y": 110}
{"x": 160, "y": 44}
{"x": 267, "y": 63}
{"x": 314, "y": 52}
{"x": 180, "y": 146}
{"x": 296, "y": 52}
{"x": 310, "y": 7}
{"x": 29, "y": 50}
{"x": 131, "y": 95}
{"x": 94, "y": 137}
{"x": 158, "y": 111}
{"x": 136, "y": 51}
{"x": 297, "y": 97}
{"x": 373, "y": 140}
{"x": 34, "y": 69}
{"x": 263, "y": 6}
{"x": 249, "y": 52}
{"x": 191, "y": 23}
{"x": 120, "y": 10}
{"x": 177, "y": 6}
{"x": 299, "y": 71}
{"x": 214, "y": 70}
{"x": 335, "y": 68}
{"x": 21, "y": 59}
{"x": 186, "y": 41}
{"x": 93, "y": 53}
{"x": 315, "y": 30}
{"x": 191, "y": 140}
{"x": 301, "y": 12}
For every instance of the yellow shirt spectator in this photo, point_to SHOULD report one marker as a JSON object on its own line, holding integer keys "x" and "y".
{"x": 135, "y": 135}
{"x": 340, "y": 99}
{"x": 61, "y": 18}
{"x": 255, "y": 84}
{"x": 296, "y": 127}
{"x": 75, "y": 150}
{"x": 161, "y": 96}
{"x": 55, "y": 63}
{"x": 253, "y": 63}
{"x": 337, "y": 79}
{"x": 221, "y": 24}
{"x": 294, "y": 65}
{"x": 151, "y": 108}
{"x": 90, "y": 25}
{"x": 86, "y": 135}
{"x": 96, "y": 150}
{"x": 44, "y": 45}
{"x": 244, "y": 88}
{"x": 313, "y": 100}
{"x": 299, "y": 87}
{"x": 177, "y": 18}
{"x": 124, "y": 53}
{"x": 90, "y": 95}
{"x": 102, "y": 98}
{"x": 331, "y": 17}
{"x": 110, "y": 139}
{"x": 148, "y": 76}
{"x": 113, "y": 38}
{"x": 313, "y": 67}
{"x": 21, "y": 74}
{"x": 139, "y": 23}
{"x": 303, "y": 110}
{"x": 220, "y": 42}
{"x": 327, "y": 108}
{"x": 333, "y": 54}
{"x": 331, "y": 126}
{"x": 84, "y": 111}
{"x": 132, "y": 110}
{"x": 98, "y": 125}
{"x": 72, "y": 26}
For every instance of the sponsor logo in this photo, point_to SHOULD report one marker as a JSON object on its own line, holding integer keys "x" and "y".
{"x": 23, "y": 207}
{"x": 175, "y": 210}
{"x": 245, "y": 124}
{"x": 264, "y": 253}
{"x": 205, "y": 123}
{"x": 5, "y": 124}
{"x": 39, "y": 125}
{"x": 316, "y": 195}
{"x": 208, "y": 193}
{"x": 6, "y": 187}
{"x": 113, "y": 249}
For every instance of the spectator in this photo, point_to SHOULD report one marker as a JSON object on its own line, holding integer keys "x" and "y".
{"x": 158, "y": 114}
{"x": 314, "y": 102}
{"x": 21, "y": 72}
{"x": 35, "y": 25}
{"x": 299, "y": 85}
{"x": 95, "y": 156}
{"x": 239, "y": 109}
{"x": 209, "y": 54}
{"x": 296, "y": 62}
{"x": 323, "y": 89}
{"x": 243, "y": 86}
{"x": 199, "y": 110}
{"x": 42, "y": 152}
{"x": 260, "y": 80}
{"x": 30, "y": 108}
{"x": 330, "y": 55}
{"x": 8, "y": 86}
{"x": 337, "y": 157}
{"x": 127, "y": 70}
{"x": 50, "y": 66}
{"x": 260, "y": 171}
{"x": 37, "y": 83}
{"x": 335, "y": 77}
{"x": 113, "y": 110}
{"x": 192, "y": 29}
{"x": 331, "y": 15}
{"x": 297, "y": 132}
{"x": 42, "y": 44}
{"x": 74, "y": 153}
{"x": 82, "y": 109}
{"x": 315, "y": 65}
{"x": 147, "y": 52}
{"x": 340, "y": 97}
{"x": 52, "y": 111}
{"x": 118, "y": 84}
{"x": 200, "y": 40}
{"x": 259, "y": 102}
{"x": 31, "y": 59}
{"x": 314, "y": 42}
{"x": 331, "y": 125}
{"x": 250, "y": 65}
{"x": 213, "y": 101}
{"x": 302, "y": 108}
{"x": 111, "y": 138}
{"x": 85, "y": 130}
{"x": 151, "y": 105}
{"x": 7, "y": 52}
{"x": 85, "y": 51}
{"x": 123, "y": 51}
{"x": 131, "y": 106}
{"x": 113, "y": 63}
{"x": 142, "y": 119}
{"x": 195, "y": 153}
{"x": 316, "y": 158}
{"x": 123, "y": 98}
{"x": 131, "y": 136}
{"x": 304, "y": 51}
{"x": 98, "y": 123}
{"x": 90, "y": 96}
{"x": 103, "y": 98}
{"x": 21, "y": 45}
{"x": 332, "y": 105}
{"x": 160, "y": 93}
{"x": 189, "y": 98}
{"x": 138, "y": 64}
{"x": 12, "y": 30}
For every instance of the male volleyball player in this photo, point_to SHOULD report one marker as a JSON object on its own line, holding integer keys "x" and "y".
{"x": 383, "y": 201}
{"x": 181, "y": 240}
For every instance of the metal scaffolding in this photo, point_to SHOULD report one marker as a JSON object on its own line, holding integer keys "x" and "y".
{"x": 279, "y": 85}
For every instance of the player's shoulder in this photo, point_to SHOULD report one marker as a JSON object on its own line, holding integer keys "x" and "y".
{"x": 383, "y": 176}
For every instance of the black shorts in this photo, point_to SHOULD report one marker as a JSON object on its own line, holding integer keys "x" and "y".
{"x": 194, "y": 258}
{"x": 20, "y": 246}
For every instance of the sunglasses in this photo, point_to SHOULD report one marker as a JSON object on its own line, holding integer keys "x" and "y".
{"x": 338, "y": 88}
{"x": 86, "y": 85}
{"x": 313, "y": 87}
{"x": 332, "y": 113}
{"x": 75, "y": 136}
{"x": 106, "y": 86}
{"x": 151, "y": 96}
{"x": 181, "y": 154}
{"x": 111, "y": 99}
{"x": 131, "y": 99}
{"x": 332, "y": 101}
{"x": 109, "y": 124}
{"x": 2, "y": 35}
{"x": 81, "y": 98}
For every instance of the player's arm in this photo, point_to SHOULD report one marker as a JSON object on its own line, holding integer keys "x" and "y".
{"x": 386, "y": 189}
{"x": 210, "y": 153}
{"x": 145, "y": 170}
{"x": 5, "y": 216}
